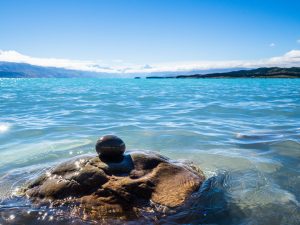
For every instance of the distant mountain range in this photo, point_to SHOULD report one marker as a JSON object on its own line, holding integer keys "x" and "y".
{"x": 23, "y": 70}
{"x": 272, "y": 72}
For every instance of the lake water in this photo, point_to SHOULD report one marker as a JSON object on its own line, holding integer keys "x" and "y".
{"x": 243, "y": 133}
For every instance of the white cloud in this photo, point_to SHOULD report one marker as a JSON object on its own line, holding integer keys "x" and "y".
{"x": 86, "y": 65}
{"x": 272, "y": 45}
{"x": 291, "y": 58}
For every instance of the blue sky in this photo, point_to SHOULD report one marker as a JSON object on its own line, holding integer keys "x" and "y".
{"x": 146, "y": 32}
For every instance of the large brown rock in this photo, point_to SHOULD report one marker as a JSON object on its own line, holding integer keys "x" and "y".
{"x": 98, "y": 189}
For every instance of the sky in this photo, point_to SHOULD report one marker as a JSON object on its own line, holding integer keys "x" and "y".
{"x": 150, "y": 35}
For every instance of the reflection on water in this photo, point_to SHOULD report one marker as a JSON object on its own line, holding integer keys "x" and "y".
{"x": 244, "y": 134}
{"x": 4, "y": 127}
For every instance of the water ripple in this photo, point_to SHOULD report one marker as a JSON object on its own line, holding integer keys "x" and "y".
{"x": 249, "y": 129}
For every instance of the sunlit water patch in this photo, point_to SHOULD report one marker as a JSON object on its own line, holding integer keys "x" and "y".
{"x": 243, "y": 133}
{"x": 4, "y": 127}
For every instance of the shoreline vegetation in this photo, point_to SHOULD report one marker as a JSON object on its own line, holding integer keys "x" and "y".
{"x": 272, "y": 72}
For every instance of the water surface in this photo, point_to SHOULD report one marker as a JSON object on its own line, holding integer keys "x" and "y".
{"x": 243, "y": 133}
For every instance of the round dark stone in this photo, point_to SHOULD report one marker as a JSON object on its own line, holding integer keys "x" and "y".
{"x": 110, "y": 146}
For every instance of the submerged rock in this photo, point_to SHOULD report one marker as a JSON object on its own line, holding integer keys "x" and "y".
{"x": 98, "y": 189}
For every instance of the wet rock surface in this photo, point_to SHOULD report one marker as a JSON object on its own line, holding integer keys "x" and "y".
{"x": 98, "y": 189}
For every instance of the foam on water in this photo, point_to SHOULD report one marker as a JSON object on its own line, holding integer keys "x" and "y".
{"x": 243, "y": 133}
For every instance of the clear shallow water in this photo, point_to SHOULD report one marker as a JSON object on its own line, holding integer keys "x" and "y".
{"x": 243, "y": 133}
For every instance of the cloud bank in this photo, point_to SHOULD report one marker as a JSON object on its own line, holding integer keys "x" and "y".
{"x": 290, "y": 59}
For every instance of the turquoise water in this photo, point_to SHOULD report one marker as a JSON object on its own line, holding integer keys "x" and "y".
{"x": 243, "y": 133}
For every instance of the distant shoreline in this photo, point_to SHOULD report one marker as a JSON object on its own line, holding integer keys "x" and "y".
{"x": 227, "y": 77}
{"x": 23, "y": 70}
{"x": 273, "y": 72}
